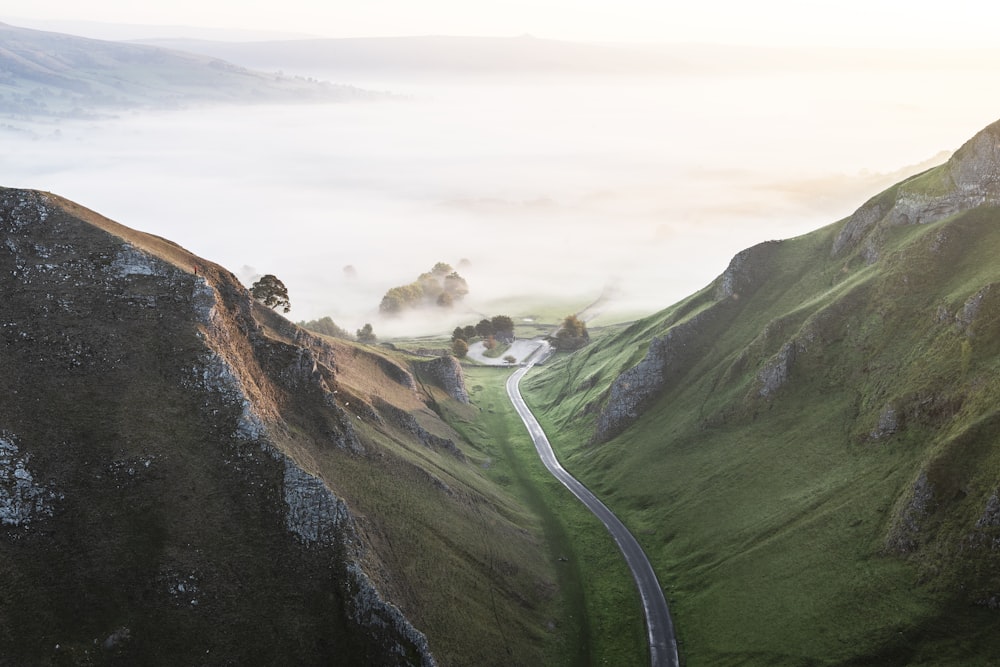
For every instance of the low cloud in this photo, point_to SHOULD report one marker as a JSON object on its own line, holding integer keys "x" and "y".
{"x": 550, "y": 191}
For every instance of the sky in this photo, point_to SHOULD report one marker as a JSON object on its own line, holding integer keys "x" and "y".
{"x": 848, "y": 23}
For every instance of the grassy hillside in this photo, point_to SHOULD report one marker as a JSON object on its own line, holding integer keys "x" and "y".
{"x": 808, "y": 447}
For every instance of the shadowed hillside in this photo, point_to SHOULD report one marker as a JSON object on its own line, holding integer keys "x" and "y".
{"x": 808, "y": 447}
{"x": 188, "y": 478}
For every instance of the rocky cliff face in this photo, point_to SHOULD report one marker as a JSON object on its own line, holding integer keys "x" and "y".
{"x": 674, "y": 353}
{"x": 971, "y": 178}
{"x": 150, "y": 510}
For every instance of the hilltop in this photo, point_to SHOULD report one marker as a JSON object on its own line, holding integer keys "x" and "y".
{"x": 186, "y": 477}
{"x": 807, "y": 446}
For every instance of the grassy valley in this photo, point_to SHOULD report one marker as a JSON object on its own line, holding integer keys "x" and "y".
{"x": 812, "y": 463}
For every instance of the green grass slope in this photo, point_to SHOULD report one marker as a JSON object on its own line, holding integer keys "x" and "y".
{"x": 809, "y": 448}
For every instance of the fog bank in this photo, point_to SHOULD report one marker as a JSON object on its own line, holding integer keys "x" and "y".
{"x": 553, "y": 187}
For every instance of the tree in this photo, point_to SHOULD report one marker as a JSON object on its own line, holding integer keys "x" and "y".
{"x": 510, "y": 359}
{"x": 458, "y": 334}
{"x": 503, "y": 328}
{"x": 271, "y": 292}
{"x": 366, "y": 334}
{"x": 469, "y": 331}
{"x": 484, "y": 328}
{"x": 459, "y": 348}
{"x": 456, "y": 286}
{"x": 573, "y": 334}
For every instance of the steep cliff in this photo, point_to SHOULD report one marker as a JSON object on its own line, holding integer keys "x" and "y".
{"x": 188, "y": 478}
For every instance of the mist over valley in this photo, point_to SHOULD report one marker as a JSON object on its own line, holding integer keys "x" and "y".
{"x": 553, "y": 184}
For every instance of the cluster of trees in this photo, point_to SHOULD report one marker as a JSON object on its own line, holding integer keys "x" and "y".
{"x": 441, "y": 286}
{"x": 499, "y": 328}
{"x": 325, "y": 326}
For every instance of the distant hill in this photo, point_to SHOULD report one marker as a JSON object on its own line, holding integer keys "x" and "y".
{"x": 442, "y": 54}
{"x": 810, "y": 446}
{"x": 56, "y": 75}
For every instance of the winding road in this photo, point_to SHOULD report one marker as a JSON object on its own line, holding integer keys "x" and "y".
{"x": 659, "y": 626}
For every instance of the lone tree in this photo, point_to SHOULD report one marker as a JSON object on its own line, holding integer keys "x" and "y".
{"x": 366, "y": 334}
{"x": 271, "y": 292}
{"x": 459, "y": 348}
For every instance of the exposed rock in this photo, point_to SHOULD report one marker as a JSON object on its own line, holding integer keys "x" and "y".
{"x": 22, "y": 499}
{"x": 746, "y": 271}
{"x": 965, "y": 318}
{"x": 397, "y": 373}
{"x": 860, "y": 222}
{"x": 777, "y": 370}
{"x": 446, "y": 372}
{"x": 888, "y": 424}
{"x": 404, "y": 420}
{"x": 668, "y": 358}
{"x": 314, "y": 514}
{"x": 991, "y": 513}
{"x": 986, "y": 533}
{"x": 969, "y": 179}
{"x": 904, "y": 536}
{"x": 370, "y": 610}
{"x": 931, "y": 410}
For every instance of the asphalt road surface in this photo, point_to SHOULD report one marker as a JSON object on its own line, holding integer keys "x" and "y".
{"x": 659, "y": 626}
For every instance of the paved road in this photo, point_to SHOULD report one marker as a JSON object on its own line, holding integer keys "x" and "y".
{"x": 660, "y": 628}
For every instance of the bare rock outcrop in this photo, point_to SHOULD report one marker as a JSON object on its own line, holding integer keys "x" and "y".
{"x": 669, "y": 357}
{"x": 905, "y": 535}
{"x": 673, "y": 354}
{"x": 446, "y": 373}
{"x": 969, "y": 179}
{"x": 403, "y": 420}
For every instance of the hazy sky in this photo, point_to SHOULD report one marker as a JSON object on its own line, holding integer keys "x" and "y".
{"x": 888, "y": 23}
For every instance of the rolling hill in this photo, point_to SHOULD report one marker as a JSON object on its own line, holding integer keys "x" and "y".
{"x": 809, "y": 447}
{"x": 46, "y": 74}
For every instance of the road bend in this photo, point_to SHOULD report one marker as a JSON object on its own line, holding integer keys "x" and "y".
{"x": 659, "y": 626}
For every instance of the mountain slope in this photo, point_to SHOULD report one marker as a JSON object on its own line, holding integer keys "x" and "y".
{"x": 51, "y": 74}
{"x": 809, "y": 444}
{"x": 187, "y": 478}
